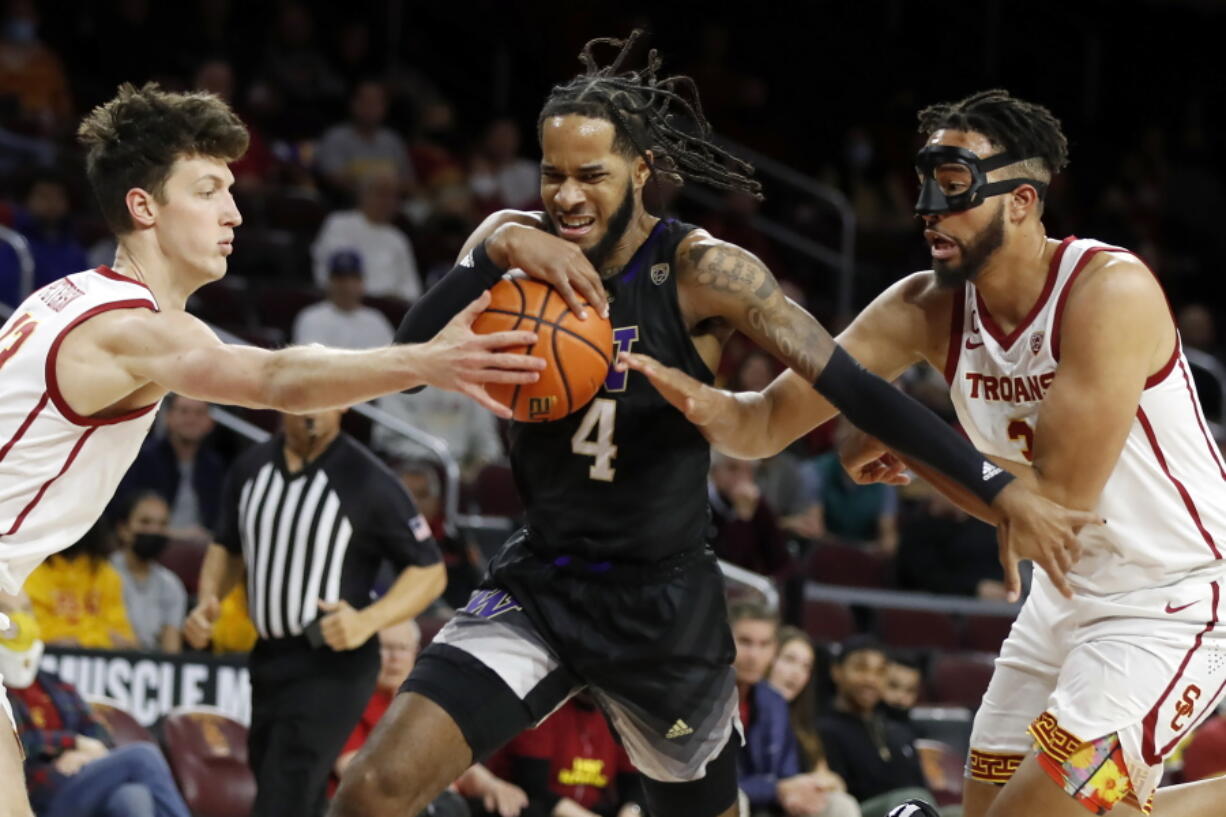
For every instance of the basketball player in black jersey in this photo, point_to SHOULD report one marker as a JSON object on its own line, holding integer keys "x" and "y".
{"x": 610, "y": 585}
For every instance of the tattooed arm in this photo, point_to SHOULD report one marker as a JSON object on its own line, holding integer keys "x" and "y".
{"x": 721, "y": 282}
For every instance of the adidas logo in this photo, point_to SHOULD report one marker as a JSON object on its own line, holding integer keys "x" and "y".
{"x": 989, "y": 470}
{"x": 680, "y": 729}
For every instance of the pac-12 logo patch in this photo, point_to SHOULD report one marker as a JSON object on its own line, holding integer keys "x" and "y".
{"x": 659, "y": 273}
{"x": 1036, "y": 342}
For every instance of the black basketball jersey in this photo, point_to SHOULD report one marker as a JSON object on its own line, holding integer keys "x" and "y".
{"x": 625, "y": 477}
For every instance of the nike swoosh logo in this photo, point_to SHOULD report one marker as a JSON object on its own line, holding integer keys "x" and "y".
{"x": 1171, "y": 609}
{"x": 970, "y": 345}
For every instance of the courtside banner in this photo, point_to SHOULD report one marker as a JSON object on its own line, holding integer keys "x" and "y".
{"x": 149, "y": 685}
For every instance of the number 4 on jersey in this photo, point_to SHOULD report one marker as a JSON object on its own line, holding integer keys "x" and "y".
{"x": 594, "y": 438}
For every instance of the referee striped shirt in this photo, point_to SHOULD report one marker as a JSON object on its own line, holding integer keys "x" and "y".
{"x": 318, "y": 534}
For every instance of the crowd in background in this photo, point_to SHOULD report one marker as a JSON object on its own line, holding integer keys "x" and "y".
{"x": 367, "y": 170}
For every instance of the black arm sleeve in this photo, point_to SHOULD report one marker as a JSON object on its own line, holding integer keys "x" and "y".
{"x": 461, "y": 286}
{"x": 899, "y": 421}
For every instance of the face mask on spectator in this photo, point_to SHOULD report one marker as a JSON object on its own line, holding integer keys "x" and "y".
{"x": 149, "y": 546}
{"x": 21, "y": 650}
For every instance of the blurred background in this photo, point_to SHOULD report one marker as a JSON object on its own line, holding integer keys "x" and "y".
{"x": 383, "y": 131}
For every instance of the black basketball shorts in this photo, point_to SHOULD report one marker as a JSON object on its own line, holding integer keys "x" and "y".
{"x": 655, "y": 652}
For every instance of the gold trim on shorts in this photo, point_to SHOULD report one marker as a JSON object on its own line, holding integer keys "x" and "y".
{"x": 992, "y": 767}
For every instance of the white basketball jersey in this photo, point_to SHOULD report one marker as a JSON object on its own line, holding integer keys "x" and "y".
{"x": 58, "y": 470}
{"x": 1165, "y": 502}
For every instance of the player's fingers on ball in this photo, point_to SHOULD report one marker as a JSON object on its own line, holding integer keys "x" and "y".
{"x": 504, "y": 376}
{"x": 511, "y": 337}
{"x": 529, "y": 364}
{"x": 479, "y": 394}
{"x": 572, "y": 298}
{"x": 589, "y": 288}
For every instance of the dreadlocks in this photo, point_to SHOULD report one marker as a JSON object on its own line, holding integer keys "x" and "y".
{"x": 644, "y": 110}
{"x": 1022, "y": 128}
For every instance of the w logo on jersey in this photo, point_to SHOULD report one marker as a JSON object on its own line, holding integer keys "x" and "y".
{"x": 624, "y": 338}
{"x": 490, "y": 603}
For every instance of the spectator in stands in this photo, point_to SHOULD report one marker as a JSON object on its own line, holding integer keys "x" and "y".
{"x": 571, "y": 766}
{"x": 153, "y": 596}
{"x": 363, "y": 146}
{"x": 500, "y": 177}
{"x": 470, "y": 432}
{"x": 308, "y": 91}
{"x": 330, "y": 514}
{"x": 768, "y": 764}
{"x": 398, "y": 648}
{"x": 388, "y": 266}
{"x": 182, "y": 468}
{"x": 255, "y": 167}
{"x": 72, "y": 769}
{"x": 744, "y": 530}
{"x": 1198, "y": 333}
{"x": 45, "y": 221}
{"x": 464, "y": 562}
{"x": 944, "y": 550}
{"x": 32, "y": 75}
{"x": 791, "y": 675}
{"x": 904, "y": 680}
{"x": 78, "y": 596}
{"x": 341, "y": 319}
{"x": 788, "y": 488}
{"x": 873, "y": 754}
{"x": 864, "y": 515}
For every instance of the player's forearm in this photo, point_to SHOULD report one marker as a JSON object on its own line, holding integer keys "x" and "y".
{"x": 304, "y": 379}
{"x": 219, "y": 573}
{"x": 412, "y": 592}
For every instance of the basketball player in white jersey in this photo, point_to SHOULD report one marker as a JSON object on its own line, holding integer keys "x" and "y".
{"x": 1065, "y": 367}
{"x": 85, "y": 361}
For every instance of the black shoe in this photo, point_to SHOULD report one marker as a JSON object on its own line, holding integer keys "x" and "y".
{"x": 914, "y": 808}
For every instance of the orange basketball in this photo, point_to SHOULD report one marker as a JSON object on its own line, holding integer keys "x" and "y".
{"x": 577, "y": 352}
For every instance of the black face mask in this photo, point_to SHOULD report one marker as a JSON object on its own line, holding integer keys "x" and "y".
{"x": 149, "y": 546}
{"x": 953, "y": 179}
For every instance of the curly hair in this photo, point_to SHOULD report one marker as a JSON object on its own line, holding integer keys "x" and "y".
{"x": 662, "y": 115}
{"x": 134, "y": 139}
{"x": 1022, "y": 128}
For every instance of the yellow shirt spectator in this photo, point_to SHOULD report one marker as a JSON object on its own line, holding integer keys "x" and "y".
{"x": 79, "y": 601}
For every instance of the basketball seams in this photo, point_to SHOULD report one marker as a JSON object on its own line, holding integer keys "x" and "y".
{"x": 532, "y": 308}
{"x": 557, "y": 362}
{"x": 519, "y": 317}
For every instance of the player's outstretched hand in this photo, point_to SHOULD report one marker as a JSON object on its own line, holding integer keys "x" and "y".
{"x": 198, "y": 627}
{"x": 460, "y": 360}
{"x": 867, "y": 460}
{"x": 701, "y": 404}
{"x": 1033, "y": 527}
{"x": 553, "y": 260}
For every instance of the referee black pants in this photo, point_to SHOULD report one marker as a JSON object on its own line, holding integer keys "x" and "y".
{"x": 305, "y": 703}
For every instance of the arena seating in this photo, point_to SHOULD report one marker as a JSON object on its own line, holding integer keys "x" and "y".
{"x": 123, "y": 727}
{"x": 208, "y": 756}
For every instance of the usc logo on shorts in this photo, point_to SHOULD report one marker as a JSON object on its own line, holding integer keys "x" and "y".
{"x": 1184, "y": 708}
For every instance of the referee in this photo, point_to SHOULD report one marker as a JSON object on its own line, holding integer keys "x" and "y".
{"x": 309, "y": 516}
